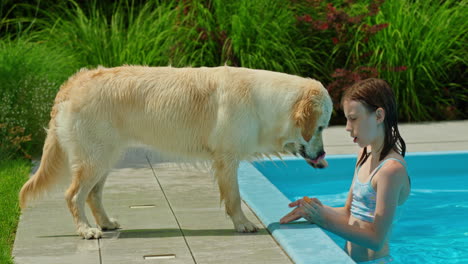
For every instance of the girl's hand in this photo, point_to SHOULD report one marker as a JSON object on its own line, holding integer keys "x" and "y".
{"x": 310, "y": 209}
{"x": 314, "y": 211}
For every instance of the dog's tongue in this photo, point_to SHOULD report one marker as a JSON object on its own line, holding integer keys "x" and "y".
{"x": 319, "y": 158}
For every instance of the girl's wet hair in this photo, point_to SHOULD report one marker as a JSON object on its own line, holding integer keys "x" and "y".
{"x": 374, "y": 93}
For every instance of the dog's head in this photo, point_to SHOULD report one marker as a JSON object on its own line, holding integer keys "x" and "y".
{"x": 311, "y": 114}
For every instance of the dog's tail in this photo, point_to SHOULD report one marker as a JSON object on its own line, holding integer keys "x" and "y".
{"x": 52, "y": 163}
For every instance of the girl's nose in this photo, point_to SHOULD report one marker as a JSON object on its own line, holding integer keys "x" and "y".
{"x": 348, "y": 126}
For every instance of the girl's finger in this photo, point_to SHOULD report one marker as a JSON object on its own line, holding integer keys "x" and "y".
{"x": 291, "y": 213}
{"x": 290, "y": 217}
{"x": 294, "y": 214}
{"x": 295, "y": 203}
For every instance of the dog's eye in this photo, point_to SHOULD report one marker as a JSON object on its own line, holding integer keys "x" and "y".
{"x": 320, "y": 129}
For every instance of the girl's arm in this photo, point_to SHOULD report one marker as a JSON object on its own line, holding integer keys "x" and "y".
{"x": 333, "y": 212}
{"x": 391, "y": 179}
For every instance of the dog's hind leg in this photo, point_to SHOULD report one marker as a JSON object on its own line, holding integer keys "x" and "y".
{"x": 225, "y": 171}
{"x": 95, "y": 203}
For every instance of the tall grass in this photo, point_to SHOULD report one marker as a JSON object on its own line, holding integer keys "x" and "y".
{"x": 239, "y": 33}
{"x": 197, "y": 37}
{"x": 185, "y": 33}
{"x": 428, "y": 38}
{"x": 130, "y": 36}
{"x": 263, "y": 34}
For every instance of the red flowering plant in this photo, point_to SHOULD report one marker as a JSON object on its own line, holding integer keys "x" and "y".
{"x": 12, "y": 140}
{"x": 342, "y": 28}
{"x": 325, "y": 15}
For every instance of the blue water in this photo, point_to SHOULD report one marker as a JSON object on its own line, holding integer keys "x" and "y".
{"x": 433, "y": 226}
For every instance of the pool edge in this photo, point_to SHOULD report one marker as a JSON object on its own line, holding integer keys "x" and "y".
{"x": 259, "y": 192}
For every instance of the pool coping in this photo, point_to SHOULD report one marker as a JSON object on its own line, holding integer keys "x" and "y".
{"x": 270, "y": 204}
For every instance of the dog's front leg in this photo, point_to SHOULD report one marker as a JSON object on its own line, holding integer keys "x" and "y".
{"x": 225, "y": 171}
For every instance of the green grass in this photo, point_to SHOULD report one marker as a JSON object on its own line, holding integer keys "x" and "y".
{"x": 13, "y": 174}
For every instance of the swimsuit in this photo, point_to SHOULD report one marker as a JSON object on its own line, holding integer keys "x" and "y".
{"x": 364, "y": 195}
{"x": 364, "y": 202}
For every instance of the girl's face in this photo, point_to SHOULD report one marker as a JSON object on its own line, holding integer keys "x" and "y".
{"x": 364, "y": 127}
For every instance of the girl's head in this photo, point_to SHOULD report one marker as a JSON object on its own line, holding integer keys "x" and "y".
{"x": 371, "y": 114}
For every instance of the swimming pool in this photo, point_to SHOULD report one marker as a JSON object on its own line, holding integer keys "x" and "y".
{"x": 433, "y": 227}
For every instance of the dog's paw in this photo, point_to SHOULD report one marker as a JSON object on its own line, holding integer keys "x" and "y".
{"x": 246, "y": 227}
{"x": 112, "y": 224}
{"x": 89, "y": 232}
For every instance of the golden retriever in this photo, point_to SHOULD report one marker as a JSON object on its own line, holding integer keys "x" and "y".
{"x": 222, "y": 114}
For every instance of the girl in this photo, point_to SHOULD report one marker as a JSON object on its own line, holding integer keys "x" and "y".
{"x": 380, "y": 183}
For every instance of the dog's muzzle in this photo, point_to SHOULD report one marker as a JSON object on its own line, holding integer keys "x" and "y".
{"x": 316, "y": 162}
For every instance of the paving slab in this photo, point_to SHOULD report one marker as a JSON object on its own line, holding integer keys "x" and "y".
{"x": 185, "y": 223}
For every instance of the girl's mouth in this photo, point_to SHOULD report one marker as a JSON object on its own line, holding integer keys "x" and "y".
{"x": 355, "y": 139}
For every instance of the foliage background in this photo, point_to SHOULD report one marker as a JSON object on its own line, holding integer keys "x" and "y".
{"x": 419, "y": 47}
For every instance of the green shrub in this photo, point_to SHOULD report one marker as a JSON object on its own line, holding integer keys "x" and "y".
{"x": 31, "y": 74}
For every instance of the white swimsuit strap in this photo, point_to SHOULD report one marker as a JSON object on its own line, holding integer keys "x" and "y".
{"x": 382, "y": 163}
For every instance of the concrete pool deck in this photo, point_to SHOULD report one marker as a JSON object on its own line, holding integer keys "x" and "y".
{"x": 172, "y": 214}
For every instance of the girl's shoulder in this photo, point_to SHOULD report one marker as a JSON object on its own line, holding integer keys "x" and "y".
{"x": 394, "y": 168}
{"x": 395, "y": 160}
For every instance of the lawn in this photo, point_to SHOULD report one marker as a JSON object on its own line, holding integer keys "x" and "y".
{"x": 13, "y": 174}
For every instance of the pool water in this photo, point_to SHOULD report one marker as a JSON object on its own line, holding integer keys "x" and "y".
{"x": 433, "y": 226}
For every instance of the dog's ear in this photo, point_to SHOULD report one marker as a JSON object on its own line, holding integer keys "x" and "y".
{"x": 306, "y": 112}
